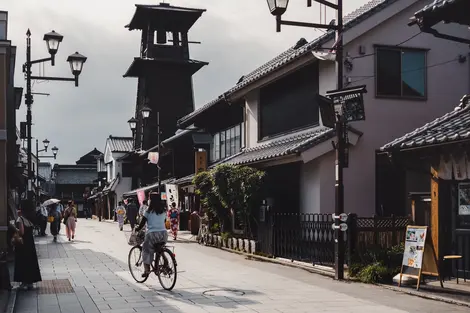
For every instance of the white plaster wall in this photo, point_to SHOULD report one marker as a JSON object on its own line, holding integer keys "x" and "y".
{"x": 251, "y": 125}
{"x": 310, "y": 191}
{"x": 125, "y": 184}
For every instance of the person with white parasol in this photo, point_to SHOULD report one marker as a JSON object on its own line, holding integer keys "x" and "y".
{"x": 54, "y": 216}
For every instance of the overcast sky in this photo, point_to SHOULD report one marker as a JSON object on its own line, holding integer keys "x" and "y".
{"x": 237, "y": 36}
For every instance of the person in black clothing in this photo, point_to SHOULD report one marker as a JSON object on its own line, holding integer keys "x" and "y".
{"x": 131, "y": 212}
{"x": 26, "y": 260}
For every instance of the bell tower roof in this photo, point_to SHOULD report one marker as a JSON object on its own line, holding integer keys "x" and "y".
{"x": 164, "y": 17}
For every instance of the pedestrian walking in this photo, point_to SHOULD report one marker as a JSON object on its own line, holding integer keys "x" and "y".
{"x": 42, "y": 218}
{"x": 121, "y": 214}
{"x": 54, "y": 218}
{"x": 26, "y": 260}
{"x": 70, "y": 220}
{"x": 156, "y": 233}
{"x": 60, "y": 209}
{"x": 174, "y": 216}
{"x": 132, "y": 212}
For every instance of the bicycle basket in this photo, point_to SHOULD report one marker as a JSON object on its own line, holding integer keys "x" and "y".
{"x": 136, "y": 238}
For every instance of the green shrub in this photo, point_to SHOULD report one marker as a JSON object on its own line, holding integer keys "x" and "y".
{"x": 373, "y": 273}
{"x": 377, "y": 265}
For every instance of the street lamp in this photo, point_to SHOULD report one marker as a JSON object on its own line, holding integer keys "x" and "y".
{"x": 132, "y": 123}
{"x": 46, "y": 144}
{"x": 277, "y": 8}
{"x": 146, "y": 112}
{"x": 54, "y": 151}
{"x": 53, "y": 41}
{"x": 76, "y": 61}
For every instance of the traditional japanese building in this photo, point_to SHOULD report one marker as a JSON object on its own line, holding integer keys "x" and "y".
{"x": 164, "y": 71}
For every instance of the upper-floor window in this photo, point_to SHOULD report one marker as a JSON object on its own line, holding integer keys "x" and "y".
{"x": 227, "y": 142}
{"x": 127, "y": 170}
{"x": 289, "y": 103}
{"x": 400, "y": 73}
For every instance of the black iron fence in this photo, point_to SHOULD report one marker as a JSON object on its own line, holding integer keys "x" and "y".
{"x": 310, "y": 237}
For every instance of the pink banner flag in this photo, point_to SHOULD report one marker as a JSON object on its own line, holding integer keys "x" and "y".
{"x": 141, "y": 196}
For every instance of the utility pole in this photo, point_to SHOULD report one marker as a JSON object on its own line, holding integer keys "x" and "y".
{"x": 29, "y": 118}
{"x": 340, "y": 150}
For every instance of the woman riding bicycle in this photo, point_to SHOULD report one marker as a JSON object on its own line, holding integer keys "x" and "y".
{"x": 156, "y": 233}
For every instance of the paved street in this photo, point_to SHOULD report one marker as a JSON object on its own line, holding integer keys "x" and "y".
{"x": 210, "y": 280}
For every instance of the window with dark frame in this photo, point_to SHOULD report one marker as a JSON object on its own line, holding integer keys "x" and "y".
{"x": 400, "y": 72}
{"x": 281, "y": 101}
{"x": 227, "y": 143}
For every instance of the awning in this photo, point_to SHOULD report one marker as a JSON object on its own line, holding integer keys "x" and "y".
{"x": 112, "y": 186}
{"x": 147, "y": 188}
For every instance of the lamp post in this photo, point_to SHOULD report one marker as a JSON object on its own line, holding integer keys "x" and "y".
{"x": 278, "y": 8}
{"x": 55, "y": 150}
{"x": 133, "y": 125}
{"x": 76, "y": 61}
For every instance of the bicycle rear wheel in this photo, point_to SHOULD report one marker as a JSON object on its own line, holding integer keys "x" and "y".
{"x": 136, "y": 264}
{"x": 166, "y": 269}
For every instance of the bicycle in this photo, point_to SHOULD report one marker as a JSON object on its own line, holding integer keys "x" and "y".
{"x": 203, "y": 230}
{"x": 162, "y": 269}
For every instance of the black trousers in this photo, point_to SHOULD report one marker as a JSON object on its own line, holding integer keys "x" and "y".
{"x": 43, "y": 225}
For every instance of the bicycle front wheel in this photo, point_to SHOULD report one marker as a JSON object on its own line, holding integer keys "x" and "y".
{"x": 167, "y": 269}
{"x": 136, "y": 264}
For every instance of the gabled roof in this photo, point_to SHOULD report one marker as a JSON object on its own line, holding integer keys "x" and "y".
{"x": 76, "y": 176}
{"x": 120, "y": 144}
{"x": 452, "y": 127}
{"x": 294, "y": 53}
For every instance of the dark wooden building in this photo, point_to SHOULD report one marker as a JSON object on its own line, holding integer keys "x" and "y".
{"x": 164, "y": 71}
{"x": 73, "y": 182}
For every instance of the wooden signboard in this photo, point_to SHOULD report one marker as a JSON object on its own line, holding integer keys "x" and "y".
{"x": 419, "y": 257}
{"x": 200, "y": 161}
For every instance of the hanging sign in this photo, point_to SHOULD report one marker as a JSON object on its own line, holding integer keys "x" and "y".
{"x": 419, "y": 257}
{"x": 153, "y": 157}
{"x": 200, "y": 161}
{"x": 140, "y": 196}
{"x": 171, "y": 195}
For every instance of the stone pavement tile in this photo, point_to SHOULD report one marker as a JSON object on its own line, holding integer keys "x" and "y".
{"x": 120, "y": 311}
{"x": 130, "y": 305}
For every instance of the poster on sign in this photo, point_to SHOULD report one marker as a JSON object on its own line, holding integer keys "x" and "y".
{"x": 141, "y": 196}
{"x": 171, "y": 194}
{"x": 419, "y": 257}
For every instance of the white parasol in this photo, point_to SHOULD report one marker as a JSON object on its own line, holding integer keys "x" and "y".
{"x": 50, "y": 201}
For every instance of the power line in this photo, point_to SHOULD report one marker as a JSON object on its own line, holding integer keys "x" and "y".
{"x": 407, "y": 71}
{"x": 397, "y": 45}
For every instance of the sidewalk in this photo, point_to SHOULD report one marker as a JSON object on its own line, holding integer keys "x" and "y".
{"x": 78, "y": 280}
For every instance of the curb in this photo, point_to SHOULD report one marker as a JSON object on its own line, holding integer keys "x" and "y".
{"x": 259, "y": 258}
{"x": 425, "y": 296}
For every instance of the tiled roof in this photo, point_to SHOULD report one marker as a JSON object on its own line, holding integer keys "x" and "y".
{"x": 293, "y": 144}
{"x": 120, "y": 144}
{"x": 436, "y": 5}
{"x": 295, "y": 53}
{"x": 453, "y": 126}
{"x": 77, "y": 176}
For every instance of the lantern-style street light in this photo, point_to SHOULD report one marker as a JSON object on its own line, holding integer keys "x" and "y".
{"x": 53, "y": 41}
{"x": 46, "y": 144}
{"x": 146, "y": 112}
{"x": 76, "y": 61}
{"x": 278, "y": 7}
{"x": 132, "y": 123}
{"x": 54, "y": 151}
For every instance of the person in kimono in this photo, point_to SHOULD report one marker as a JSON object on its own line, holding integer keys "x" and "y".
{"x": 120, "y": 214}
{"x": 174, "y": 216}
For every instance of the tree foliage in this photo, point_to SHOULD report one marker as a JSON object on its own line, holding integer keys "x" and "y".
{"x": 229, "y": 191}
